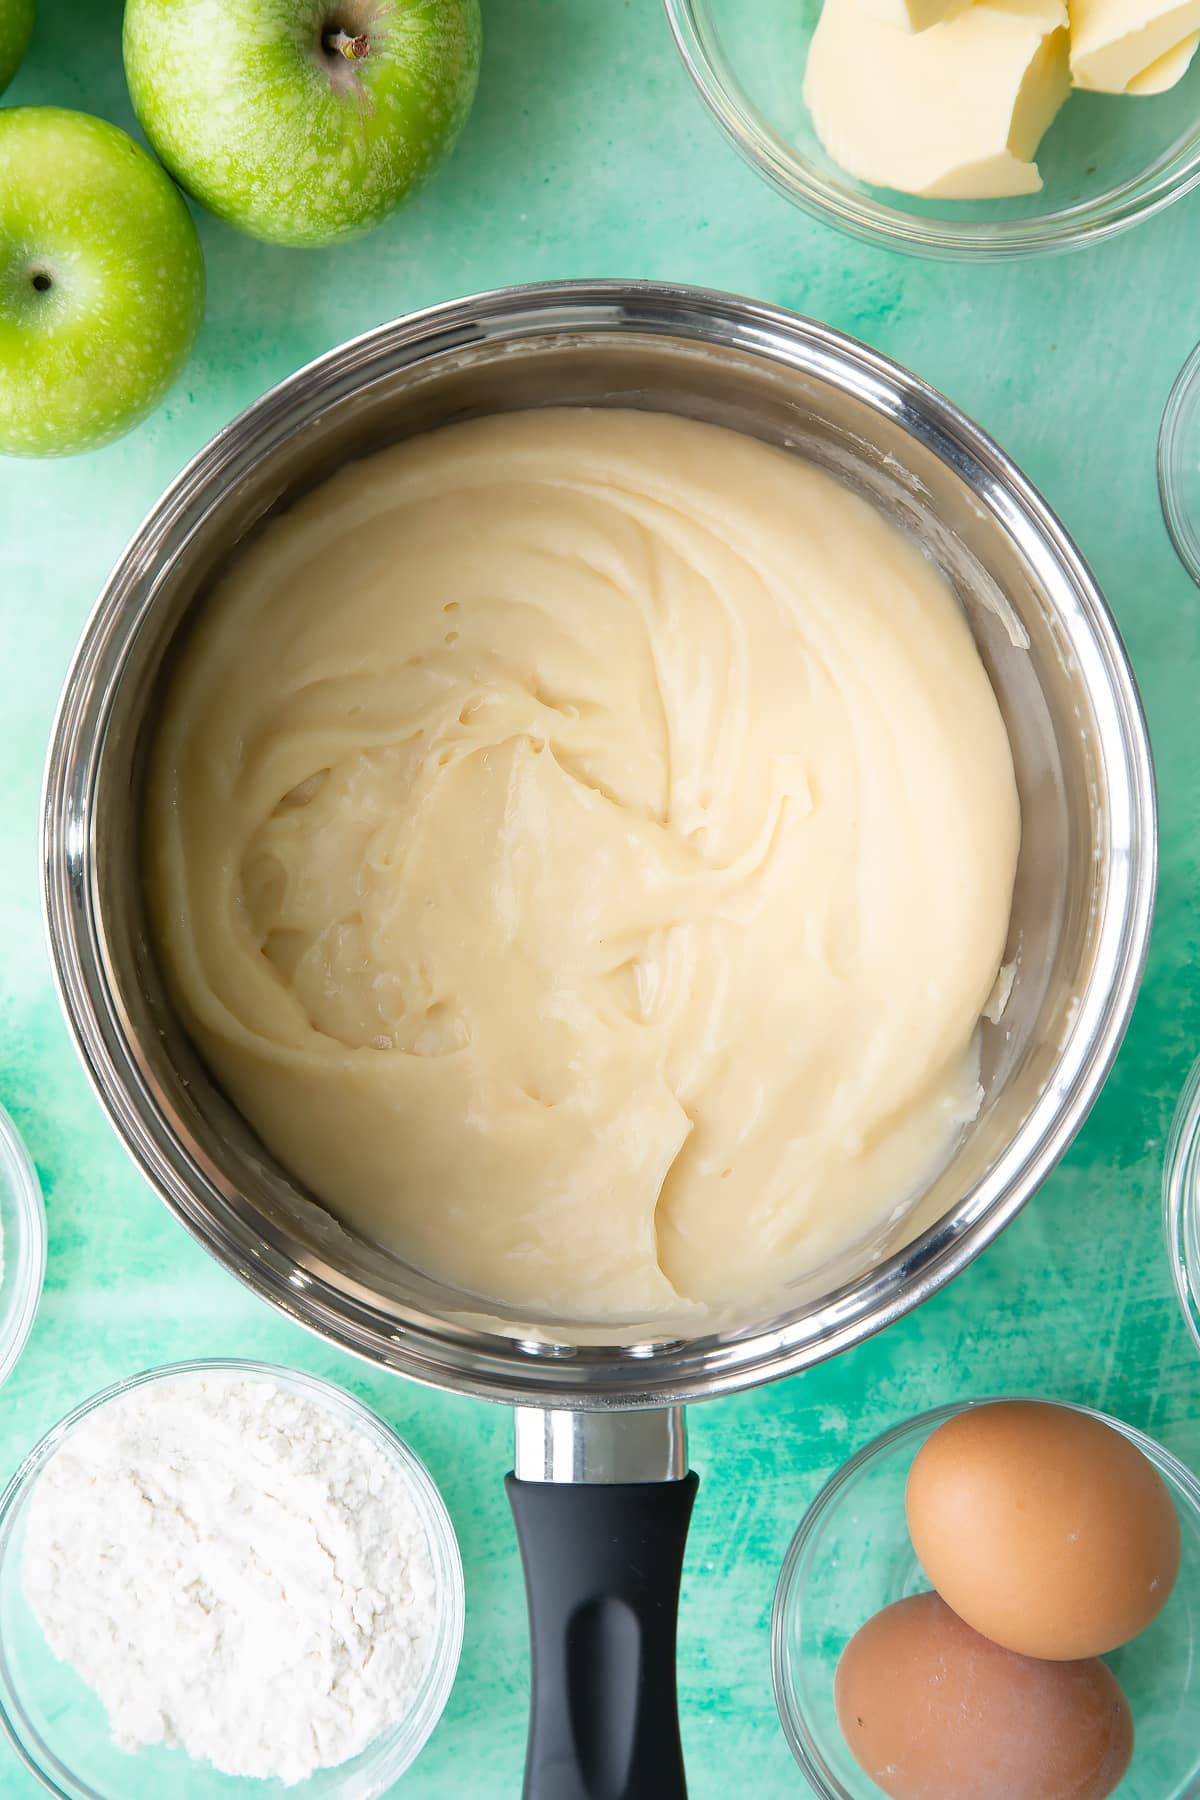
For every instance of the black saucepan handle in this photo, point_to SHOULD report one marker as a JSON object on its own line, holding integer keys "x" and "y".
{"x": 602, "y": 1568}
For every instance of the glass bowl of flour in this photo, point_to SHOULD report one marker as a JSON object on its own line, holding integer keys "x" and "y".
{"x": 221, "y": 1579}
{"x": 22, "y": 1244}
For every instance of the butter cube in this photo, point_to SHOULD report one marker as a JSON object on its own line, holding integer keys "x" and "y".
{"x": 1131, "y": 46}
{"x": 1169, "y": 69}
{"x": 911, "y": 15}
{"x": 955, "y": 112}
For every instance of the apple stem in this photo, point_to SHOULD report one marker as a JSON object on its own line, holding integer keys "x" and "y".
{"x": 340, "y": 43}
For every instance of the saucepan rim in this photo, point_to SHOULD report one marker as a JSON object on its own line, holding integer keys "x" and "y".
{"x": 439, "y": 1350}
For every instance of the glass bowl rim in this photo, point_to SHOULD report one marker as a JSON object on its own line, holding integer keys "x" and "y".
{"x": 1183, "y": 1484}
{"x": 1181, "y": 1192}
{"x": 872, "y": 221}
{"x": 24, "y": 1261}
{"x": 408, "y": 1736}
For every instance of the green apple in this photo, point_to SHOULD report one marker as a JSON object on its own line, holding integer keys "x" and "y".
{"x": 16, "y": 28}
{"x": 302, "y": 121}
{"x": 101, "y": 281}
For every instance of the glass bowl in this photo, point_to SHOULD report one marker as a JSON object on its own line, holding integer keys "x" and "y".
{"x": 1181, "y": 1200}
{"x": 852, "y": 1555}
{"x": 22, "y": 1244}
{"x": 1107, "y": 161}
{"x": 58, "y": 1726}
{"x": 1179, "y": 465}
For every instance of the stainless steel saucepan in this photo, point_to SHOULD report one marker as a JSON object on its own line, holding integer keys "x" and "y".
{"x": 600, "y": 1492}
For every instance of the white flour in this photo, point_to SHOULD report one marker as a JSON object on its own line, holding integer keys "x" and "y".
{"x": 236, "y": 1571}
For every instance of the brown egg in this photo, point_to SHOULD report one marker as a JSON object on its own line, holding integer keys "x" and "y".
{"x": 933, "y": 1711}
{"x": 1045, "y": 1529}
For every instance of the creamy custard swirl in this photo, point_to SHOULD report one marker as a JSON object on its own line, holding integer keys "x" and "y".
{"x": 582, "y": 845}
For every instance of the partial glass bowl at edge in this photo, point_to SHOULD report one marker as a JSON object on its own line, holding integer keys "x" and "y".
{"x": 1181, "y": 1200}
{"x": 22, "y": 1244}
{"x": 59, "y": 1727}
{"x": 852, "y": 1556}
{"x": 1179, "y": 465}
{"x": 1107, "y": 161}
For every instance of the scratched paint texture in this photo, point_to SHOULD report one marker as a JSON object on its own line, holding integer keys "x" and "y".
{"x": 588, "y": 154}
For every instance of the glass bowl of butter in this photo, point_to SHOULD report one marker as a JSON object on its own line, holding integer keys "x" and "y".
{"x": 990, "y": 130}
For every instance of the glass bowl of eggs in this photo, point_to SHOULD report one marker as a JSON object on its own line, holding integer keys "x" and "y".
{"x": 1072, "y": 1537}
{"x": 952, "y": 130}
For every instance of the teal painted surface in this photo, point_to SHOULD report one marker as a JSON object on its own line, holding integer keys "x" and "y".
{"x": 588, "y": 154}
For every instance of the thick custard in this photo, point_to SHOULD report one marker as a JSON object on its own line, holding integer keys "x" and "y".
{"x": 582, "y": 845}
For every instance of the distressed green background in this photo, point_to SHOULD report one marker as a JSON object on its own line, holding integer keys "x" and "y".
{"x": 589, "y": 154}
